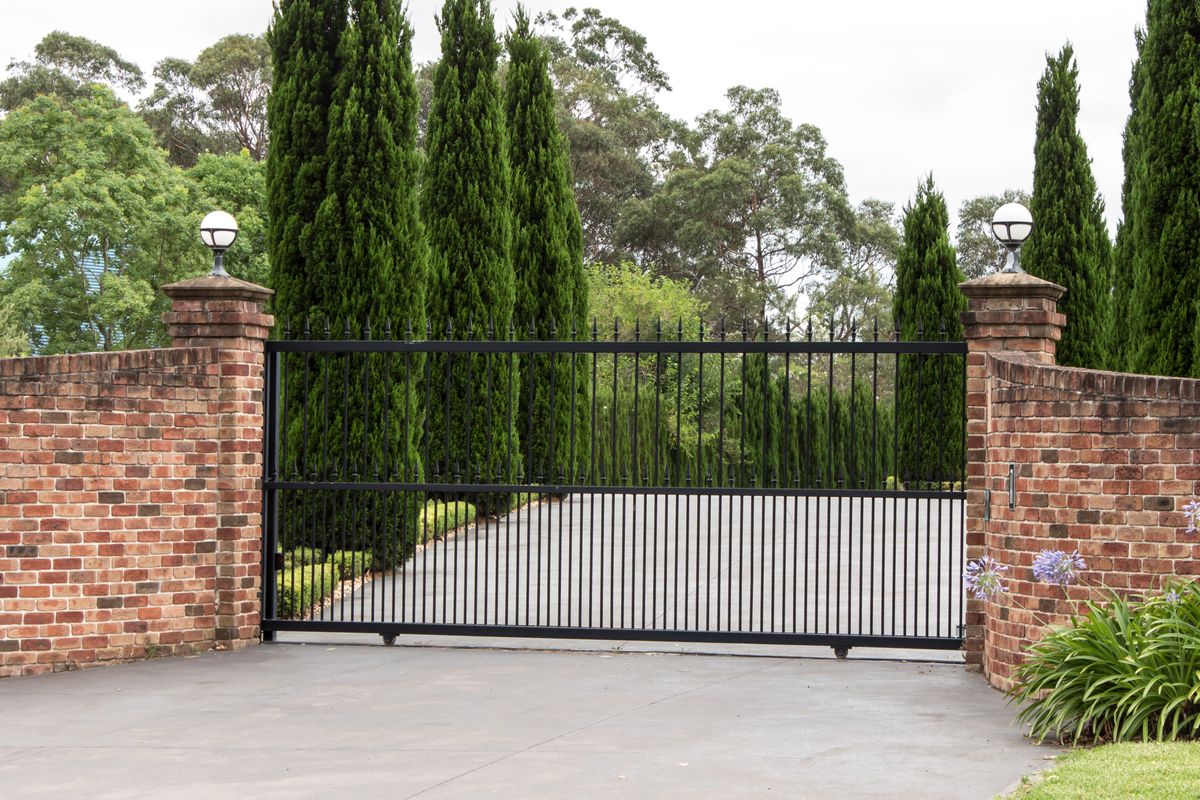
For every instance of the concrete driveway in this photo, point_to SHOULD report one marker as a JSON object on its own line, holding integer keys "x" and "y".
{"x": 345, "y": 720}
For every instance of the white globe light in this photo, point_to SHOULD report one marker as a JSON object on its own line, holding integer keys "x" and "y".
{"x": 218, "y": 230}
{"x": 1012, "y": 224}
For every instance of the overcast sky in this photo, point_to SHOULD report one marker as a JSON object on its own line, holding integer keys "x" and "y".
{"x": 898, "y": 88}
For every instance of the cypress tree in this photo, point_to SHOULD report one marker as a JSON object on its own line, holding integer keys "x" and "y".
{"x": 1070, "y": 244}
{"x": 1119, "y": 338}
{"x": 368, "y": 240}
{"x": 547, "y": 257}
{"x": 1164, "y": 200}
{"x": 304, "y": 39}
{"x": 927, "y": 304}
{"x": 466, "y": 202}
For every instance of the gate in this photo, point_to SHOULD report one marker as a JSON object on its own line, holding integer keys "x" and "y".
{"x": 717, "y": 486}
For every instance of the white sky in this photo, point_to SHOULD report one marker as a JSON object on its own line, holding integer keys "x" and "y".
{"x": 898, "y": 88}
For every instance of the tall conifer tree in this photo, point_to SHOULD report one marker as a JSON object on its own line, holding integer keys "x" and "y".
{"x": 1164, "y": 196}
{"x": 467, "y": 206}
{"x": 547, "y": 258}
{"x": 1070, "y": 244}
{"x": 927, "y": 304}
{"x": 370, "y": 249}
{"x": 1120, "y": 340}
{"x": 304, "y": 38}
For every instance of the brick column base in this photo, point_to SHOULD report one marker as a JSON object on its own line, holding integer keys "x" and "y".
{"x": 228, "y": 315}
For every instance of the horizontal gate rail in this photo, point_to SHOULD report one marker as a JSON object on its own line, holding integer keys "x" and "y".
{"x": 765, "y": 489}
{"x": 619, "y": 634}
{"x": 584, "y": 488}
{"x": 603, "y": 347}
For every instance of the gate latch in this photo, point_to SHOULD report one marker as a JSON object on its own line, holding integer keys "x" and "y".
{"x": 987, "y": 505}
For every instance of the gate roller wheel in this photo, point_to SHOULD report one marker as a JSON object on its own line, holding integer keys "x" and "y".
{"x": 841, "y": 652}
{"x": 389, "y": 639}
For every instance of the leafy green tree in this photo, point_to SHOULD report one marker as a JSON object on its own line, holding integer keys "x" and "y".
{"x": 607, "y": 82}
{"x": 762, "y": 203}
{"x": 1069, "y": 244}
{"x": 857, "y": 291}
{"x": 929, "y": 394}
{"x": 304, "y": 39}
{"x": 13, "y": 339}
{"x": 67, "y": 66}
{"x": 97, "y": 220}
{"x": 1164, "y": 207}
{"x": 978, "y": 251}
{"x": 218, "y": 103}
{"x": 467, "y": 206}
{"x": 237, "y": 183}
{"x": 547, "y": 258}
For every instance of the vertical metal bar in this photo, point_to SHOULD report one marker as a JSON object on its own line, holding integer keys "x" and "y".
{"x": 489, "y": 473}
{"x": 875, "y": 464}
{"x": 832, "y": 550}
{"x": 786, "y": 463}
{"x": 270, "y": 494}
{"x": 812, "y": 478}
{"x": 897, "y": 412}
{"x": 721, "y": 476}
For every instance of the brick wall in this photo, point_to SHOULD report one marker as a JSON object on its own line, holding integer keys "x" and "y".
{"x": 1104, "y": 463}
{"x": 129, "y": 491}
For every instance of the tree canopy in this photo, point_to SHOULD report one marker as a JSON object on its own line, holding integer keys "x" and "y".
{"x": 97, "y": 222}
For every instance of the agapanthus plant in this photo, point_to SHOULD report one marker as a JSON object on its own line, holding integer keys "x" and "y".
{"x": 1058, "y": 568}
{"x": 985, "y": 578}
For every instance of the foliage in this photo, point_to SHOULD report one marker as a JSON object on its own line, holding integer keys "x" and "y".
{"x": 370, "y": 247}
{"x": 1069, "y": 245}
{"x": 300, "y": 587}
{"x": 1163, "y": 214}
{"x": 976, "y": 248}
{"x": 304, "y": 38}
{"x": 551, "y": 295}
{"x": 1162, "y": 770}
{"x": 439, "y": 518}
{"x": 1120, "y": 341}
{"x": 1126, "y": 670}
{"x": 854, "y": 296}
{"x": 236, "y": 183}
{"x": 761, "y": 202}
{"x": 67, "y": 66}
{"x": 606, "y": 80}
{"x": 622, "y": 294}
{"x": 930, "y": 391}
{"x": 13, "y": 340}
{"x": 218, "y": 103}
{"x": 466, "y": 201}
{"x": 97, "y": 220}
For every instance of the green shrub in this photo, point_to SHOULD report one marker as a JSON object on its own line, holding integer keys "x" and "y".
{"x": 441, "y": 517}
{"x": 301, "y": 587}
{"x": 305, "y": 555}
{"x": 349, "y": 564}
{"x": 1127, "y": 670}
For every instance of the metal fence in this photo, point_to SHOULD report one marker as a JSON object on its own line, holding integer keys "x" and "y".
{"x": 703, "y": 485}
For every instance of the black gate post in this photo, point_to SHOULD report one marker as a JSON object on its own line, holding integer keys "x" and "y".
{"x": 270, "y": 516}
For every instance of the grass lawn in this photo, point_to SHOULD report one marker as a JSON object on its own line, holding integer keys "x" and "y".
{"x": 1169, "y": 771}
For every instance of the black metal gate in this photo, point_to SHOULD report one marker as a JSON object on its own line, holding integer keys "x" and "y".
{"x": 722, "y": 487}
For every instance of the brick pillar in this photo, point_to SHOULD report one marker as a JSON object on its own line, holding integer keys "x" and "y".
{"x": 229, "y": 316}
{"x": 1014, "y": 313}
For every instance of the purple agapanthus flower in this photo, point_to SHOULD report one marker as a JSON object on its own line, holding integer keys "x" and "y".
{"x": 985, "y": 577}
{"x": 1057, "y": 567}
{"x": 1172, "y": 597}
{"x": 1192, "y": 512}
